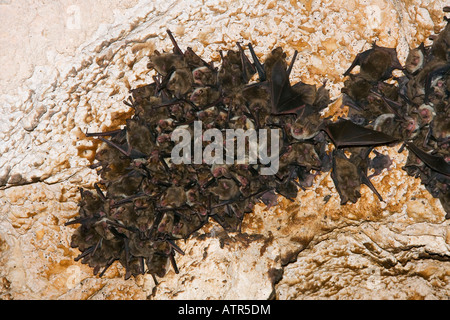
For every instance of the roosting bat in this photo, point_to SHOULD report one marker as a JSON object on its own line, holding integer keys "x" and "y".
{"x": 258, "y": 66}
{"x": 432, "y": 77}
{"x": 435, "y": 162}
{"x": 376, "y": 64}
{"x": 147, "y": 202}
{"x": 349, "y": 173}
{"x": 248, "y": 69}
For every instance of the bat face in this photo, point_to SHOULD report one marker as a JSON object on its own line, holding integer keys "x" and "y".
{"x": 440, "y": 128}
{"x": 174, "y": 197}
{"x": 426, "y": 113}
{"x": 305, "y": 128}
{"x": 226, "y": 189}
{"x": 379, "y": 163}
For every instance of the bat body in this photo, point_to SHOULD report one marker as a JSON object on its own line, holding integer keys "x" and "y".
{"x": 379, "y": 163}
{"x": 436, "y": 163}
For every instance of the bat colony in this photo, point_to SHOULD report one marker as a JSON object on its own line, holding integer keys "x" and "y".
{"x": 144, "y": 202}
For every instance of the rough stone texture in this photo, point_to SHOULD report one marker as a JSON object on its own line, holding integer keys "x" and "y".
{"x": 67, "y": 66}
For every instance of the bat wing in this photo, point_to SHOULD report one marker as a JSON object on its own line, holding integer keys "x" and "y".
{"x": 345, "y": 133}
{"x": 434, "y": 162}
{"x": 285, "y": 100}
{"x": 395, "y": 63}
{"x": 248, "y": 69}
{"x": 367, "y": 182}
{"x": 258, "y": 66}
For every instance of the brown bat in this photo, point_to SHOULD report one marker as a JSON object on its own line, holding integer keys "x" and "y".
{"x": 415, "y": 59}
{"x": 435, "y": 162}
{"x": 376, "y": 64}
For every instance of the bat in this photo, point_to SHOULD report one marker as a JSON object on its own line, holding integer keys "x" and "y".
{"x": 180, "y": 82}
{"x": 349, "y": 173}
{"x": 432, "y": 82}
{"x": 435, "y": 162}
{"x": 248, "y": 70}
{"x": 357, "y": 88}
{"x": 415, "y": 59}
{"x": 440, "y": 127}
{"x": 144, "y": 203}
{"x": 230, "y": 72}
{"x": 164, "y": 63}
{"x": 379, "y": 163}
{"x": 345, "y": 133}
{"x": 174, "y": 197}
{"x": 441, "y": 42}
{"x": 226, "y": 189}
{"x": 376, "y": 64}
{"x": 277, "y": 55}
{"x": 205, "y": 97}
{"x": 204, "y": 76}
{"x": 284, "y": 99}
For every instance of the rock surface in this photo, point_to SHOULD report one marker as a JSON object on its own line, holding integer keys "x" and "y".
{"x": 72, "y": 73}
